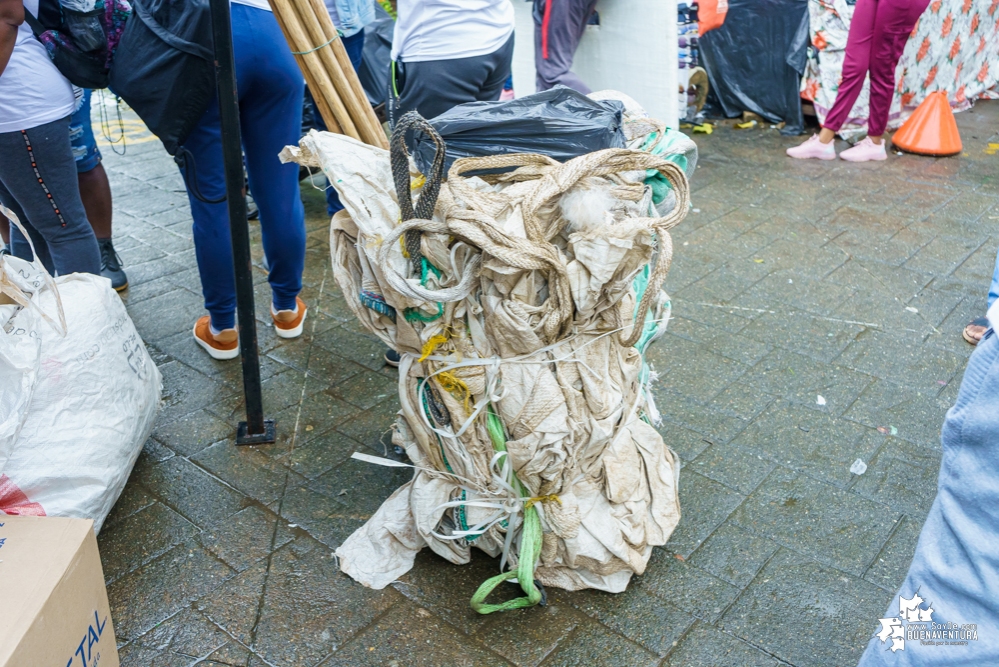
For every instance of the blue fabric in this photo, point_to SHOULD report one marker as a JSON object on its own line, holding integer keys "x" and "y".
{"x": 354, "y": 45}
{"x": 270, "y": 88}
{"x": 353, "y": 15}
{"x": 956, "y": 566}
{"x": 994, "y": 288}
{"x": 81, "y": 136}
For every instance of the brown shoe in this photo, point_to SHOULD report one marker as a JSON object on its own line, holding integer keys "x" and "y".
{"x": 288, "y": 323}
{"x": 975, "y": 329}
{"x": 224, "y": 345}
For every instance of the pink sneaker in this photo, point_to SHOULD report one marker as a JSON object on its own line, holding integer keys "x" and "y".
{"x": 813, "y": 148}
{"x": 864, "y": 151}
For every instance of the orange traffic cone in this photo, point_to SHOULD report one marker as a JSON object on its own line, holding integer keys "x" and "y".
{"x": 931, "y": 129}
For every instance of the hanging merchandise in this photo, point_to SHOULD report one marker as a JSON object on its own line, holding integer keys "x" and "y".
{"x": 756, "y": 59}
{"x": 78, "y": 392}
{"x": 522, "y": 304}
{"x": 560, "y": 123}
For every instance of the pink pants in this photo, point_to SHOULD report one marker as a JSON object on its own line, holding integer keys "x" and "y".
{"x": 878, "y": 33}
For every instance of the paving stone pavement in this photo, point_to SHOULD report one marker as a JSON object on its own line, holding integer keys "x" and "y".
{"x": 817, "y": 316}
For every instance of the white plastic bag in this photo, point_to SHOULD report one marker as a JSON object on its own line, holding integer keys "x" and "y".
{"x": 79, "y": 393}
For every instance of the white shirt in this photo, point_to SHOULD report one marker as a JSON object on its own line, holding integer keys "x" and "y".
{"x": 450, "y": 29}
{"x": 32, "y": 91}
{"x": 259, "y": 4}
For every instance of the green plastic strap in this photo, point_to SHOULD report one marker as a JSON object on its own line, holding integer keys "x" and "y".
{"x": 530, "y": 545}
{"x": 414, "y": 314}
{"x": 312, "y": 50}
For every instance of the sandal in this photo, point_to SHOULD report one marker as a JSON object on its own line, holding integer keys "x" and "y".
{"x": 979, "y": 326}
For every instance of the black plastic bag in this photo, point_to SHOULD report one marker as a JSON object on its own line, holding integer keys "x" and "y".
{"x": 560, "y": 123}
{"x": 164, "y": 66}
{"x": 756, "y": 58}
{"x": 374, "y": 69}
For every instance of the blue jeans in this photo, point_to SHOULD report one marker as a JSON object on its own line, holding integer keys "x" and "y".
{"x": 994, "y": 288}
{"x": 81, "y": 136}
{"x": 270, "y": 88}
{"x": 354, "y": 45}
{"x": 956, "y": 566}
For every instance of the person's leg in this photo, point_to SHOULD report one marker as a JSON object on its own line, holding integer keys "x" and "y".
{"x": 210, "y": 226}
{"x": 893, "y": 24}
{"x": 955, "y": 569}
{"x": 271, "y": 90}
{"x": 7, "y": 199}
{"x": 855, "y": 65}
{"x": 4, "y": 230}
{"x": 557, "y": 31}
{"x": 500, "y": 64}
{"x": 39, "y": 174}
{"x": 354, "y": 46}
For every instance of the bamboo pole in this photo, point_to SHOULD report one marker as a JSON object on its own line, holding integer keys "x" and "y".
{"x": 365, "y": 115}
{"x": 297, "y": 39}
{"x": 321, "y": 104}
{"x": 315, "y": 35}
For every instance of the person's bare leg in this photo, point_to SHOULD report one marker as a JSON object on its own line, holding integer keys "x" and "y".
{"x": 4, "y": 229}
{"x": 95, "y": 191}
{"x": 878, "y": 139}
{"x": 825, "y": 136}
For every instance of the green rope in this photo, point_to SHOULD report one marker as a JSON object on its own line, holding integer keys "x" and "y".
{"x": 414, "y": 314}
{"x": 530, "y": 545}
{"x": 313, "y": 50}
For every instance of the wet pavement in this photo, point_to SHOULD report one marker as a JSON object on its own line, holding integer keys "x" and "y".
{"x": 818, "y": 309}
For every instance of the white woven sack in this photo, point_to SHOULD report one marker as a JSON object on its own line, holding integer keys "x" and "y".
{"x": 90, "y": 407}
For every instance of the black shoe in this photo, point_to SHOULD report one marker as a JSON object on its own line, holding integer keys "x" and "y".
{"x": 392, "y": 358}
{"x": 111, "y": 265}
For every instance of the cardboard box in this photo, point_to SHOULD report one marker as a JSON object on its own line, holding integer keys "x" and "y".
{"x": 53, "y": 601}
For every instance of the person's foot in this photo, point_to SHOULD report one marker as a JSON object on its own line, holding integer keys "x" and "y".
{"x": 865, "y": 151}
{"x": 290, "y": 323}
{"x": 392, "y": 358}
{"x": 975, "y": 329}
{"x": 111, "y": 265}
{"x": 813, "y": 148}
{"x": 222, "y": 345}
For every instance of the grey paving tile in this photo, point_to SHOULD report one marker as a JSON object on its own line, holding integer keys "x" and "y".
{"x": 186, "y": 390}
{"x": 402, "y": 636}
{"x": 526, "y": 637}
{"x": 247, "y": 469}
{"x": 901, "y": 359}
{"x": 889, "y": 569}
{"x": 302, "y": 596}
{"x": 704, "y": 505}
{"x": 191, "y": 491}
{"x": 821, "y": 338}
{"x": 805, "y": 439}
{"x": 361, "y": 486}
{"x": 685, "y": 586}
{"x": 164, "y": 315}
{"x": 821, "y": 521}
{"x": 706, "y": 646}
{"x": 636, "y": 614}
{"x": 365, "y": 389}
{"x": 802, "y": 380}
{"x": 733, "y": 554}
{"x": 193, "y": 432}
{"x": 736, "y": 468}
{"x": 246, "y": 537}
{"x": 141, "y": 537}
{"x": 320, "y": 454}
{"x": 156, "y": 591}
{"x": 132, "y": 499}
{"x": 902, "y": 476}
{"x": 326, "y": 519}
{"x": 840, "y": 611}
{"x": 187, "y": 634}
{"x": 916, "y": 415}
{"x": 593, "y": 644}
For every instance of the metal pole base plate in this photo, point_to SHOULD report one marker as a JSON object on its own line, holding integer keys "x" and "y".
{"x": 268, "y": 436}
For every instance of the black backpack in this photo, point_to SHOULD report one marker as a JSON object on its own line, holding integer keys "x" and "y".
{"x": 164, "y": 67}
{"x": 81, "y": 43}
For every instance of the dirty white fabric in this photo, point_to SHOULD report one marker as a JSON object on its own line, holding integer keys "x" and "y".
{"x": 535, "y": 328}
{"x": 450, "y": 29}
{"x": 78, "y": 393}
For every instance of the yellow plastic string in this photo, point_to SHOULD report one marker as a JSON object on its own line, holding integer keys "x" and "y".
{"x": 550, "y": 498}
{"x": 431, "y": 345}
{"x": 405, "y": 253}
{"x": 451, "y": 384}
{"x": 418, "y": 182}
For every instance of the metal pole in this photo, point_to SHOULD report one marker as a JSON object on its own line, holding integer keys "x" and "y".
{"x": 255, "y": 430}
